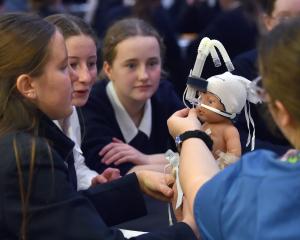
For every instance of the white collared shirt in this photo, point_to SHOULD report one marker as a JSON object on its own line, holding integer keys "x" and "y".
{"x": 126, "y": 124}
{"x": 72, "y": 130}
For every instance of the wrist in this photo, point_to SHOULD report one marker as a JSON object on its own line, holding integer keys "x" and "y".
{"x": 193, "y": 134}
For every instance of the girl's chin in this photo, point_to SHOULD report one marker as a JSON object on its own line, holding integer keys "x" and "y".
{"x": 144, "y": 96}
{"x": 79, "y": 102}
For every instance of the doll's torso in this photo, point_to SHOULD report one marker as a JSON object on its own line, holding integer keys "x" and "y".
{"x": 217, "y": 133}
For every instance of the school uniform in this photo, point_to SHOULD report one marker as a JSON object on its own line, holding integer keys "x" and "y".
{"x": 105, "y": 118}
{"x": 255, "y": 198}
{"x": 56, "y": 210}
{"x": 72, "y": 128}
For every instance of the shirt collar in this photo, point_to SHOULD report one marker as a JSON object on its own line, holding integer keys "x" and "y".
{"x": 127, "y": 126}
{"x": 72, "y": 128}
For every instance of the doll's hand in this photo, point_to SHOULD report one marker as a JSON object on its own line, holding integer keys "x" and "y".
{"x": 107, "y": 175}
{"x": 118, "y": 152}
{"x": 183, "y": 120}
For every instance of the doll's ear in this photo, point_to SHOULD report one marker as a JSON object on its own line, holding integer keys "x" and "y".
{"x": 25, "y": 86}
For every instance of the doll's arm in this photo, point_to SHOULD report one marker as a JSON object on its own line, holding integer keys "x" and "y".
{"x": 232, "y": 140}
{"x": 233, "y": 148}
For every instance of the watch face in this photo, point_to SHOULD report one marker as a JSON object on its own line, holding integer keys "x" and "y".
{"x": 177, "y": 140}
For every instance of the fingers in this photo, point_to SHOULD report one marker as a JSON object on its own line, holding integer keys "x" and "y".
{"x": 192, "y": 112}
{"x": 111, "y": 159}
{"x": 99, "y": 179}
{"x": 114, "y": 176}
{"x": 169, "y": 179}
{"x": 116, "y": 151}
{"x": 166, "y": 190}
{"x": 123, "y": 160}
{"x": 117, "y": 140}
{"x": 105, "y": 149}
{"x": 111, "y": 174}
{"x": 108, "y": 172}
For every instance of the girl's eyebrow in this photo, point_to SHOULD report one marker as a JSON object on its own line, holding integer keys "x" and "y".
{"x": 73, "y": 57}
{"x": 130, "y": 59}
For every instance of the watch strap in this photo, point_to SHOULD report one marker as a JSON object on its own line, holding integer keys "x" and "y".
{"x": 194, "y": 134}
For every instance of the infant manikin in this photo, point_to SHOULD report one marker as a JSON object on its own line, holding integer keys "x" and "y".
{"x": 224, "y": 97}
{"x": 225, "y": 136}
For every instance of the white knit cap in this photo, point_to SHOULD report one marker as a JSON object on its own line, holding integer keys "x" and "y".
{"x": 233, "y": 91}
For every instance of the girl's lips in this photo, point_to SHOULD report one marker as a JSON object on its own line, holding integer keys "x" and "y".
{"x": 143, "y": 87}
{"x": 80, "y": 93}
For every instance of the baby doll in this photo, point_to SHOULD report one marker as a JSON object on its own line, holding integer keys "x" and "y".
{"x": 224, "y": 97}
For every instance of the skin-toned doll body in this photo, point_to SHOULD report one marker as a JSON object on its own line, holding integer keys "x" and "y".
{"x": 224, "y": 134}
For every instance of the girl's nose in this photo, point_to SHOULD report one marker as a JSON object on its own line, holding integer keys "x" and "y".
{"x": 143, "y": 74}
{"x": 73, "y": 75}
{"x": 85, "y": 75}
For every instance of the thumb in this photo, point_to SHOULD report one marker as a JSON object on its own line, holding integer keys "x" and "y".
{"x": 192, "y": 112}
{"x": 165, "y": 190}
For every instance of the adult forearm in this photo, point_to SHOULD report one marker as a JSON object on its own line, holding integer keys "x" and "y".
{"x": 197, "y": 165}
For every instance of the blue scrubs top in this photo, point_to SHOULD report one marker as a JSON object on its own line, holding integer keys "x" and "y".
{"x": 256, "y": 198}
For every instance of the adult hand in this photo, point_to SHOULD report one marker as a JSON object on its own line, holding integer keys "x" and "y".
{"x": 156, "y": 184}
{"x": 183, "y": 120}
{"x": 118, "y": 152}
{"x": 184, "y": 213}
{"x": 107, "y": 175}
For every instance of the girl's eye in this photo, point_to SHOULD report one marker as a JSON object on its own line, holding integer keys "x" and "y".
{"x": 91, "y": 64}
{"x": 153, "y": 63}
{"x": 131, "y": 65}
{"x": 73, "y": 65}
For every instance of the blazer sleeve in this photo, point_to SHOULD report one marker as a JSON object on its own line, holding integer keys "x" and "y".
{"x": 54, "y": 210}
{"x": 118, "y": 201}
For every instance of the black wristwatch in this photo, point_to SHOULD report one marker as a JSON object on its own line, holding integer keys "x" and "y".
{"x": 193, "y": 134}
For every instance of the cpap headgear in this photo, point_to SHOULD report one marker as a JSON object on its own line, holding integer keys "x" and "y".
{"x": 206, "y": 47}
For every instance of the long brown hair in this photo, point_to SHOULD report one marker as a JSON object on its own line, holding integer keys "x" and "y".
{"x": 24, "y": 49}
{"x": 279, "y": 61}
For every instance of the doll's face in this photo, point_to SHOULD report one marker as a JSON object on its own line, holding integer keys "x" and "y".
{"x": 206, "y": 115}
